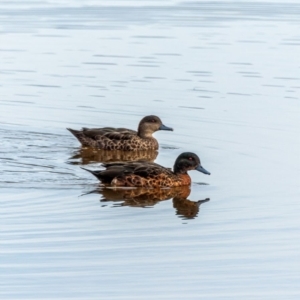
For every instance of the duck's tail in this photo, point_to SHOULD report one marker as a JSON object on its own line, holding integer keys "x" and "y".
{"x": 76, "y": 133}
{"x": 79, "y": 136}
{"x": 97, "y": 174}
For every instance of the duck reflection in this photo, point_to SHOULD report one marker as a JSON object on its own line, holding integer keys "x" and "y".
{"x": 142, "y": 197}
{"x": 187, "y": 209}
{"x": 90, "y": 155}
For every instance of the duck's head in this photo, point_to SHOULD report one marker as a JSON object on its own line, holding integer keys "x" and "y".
{"x": 149, "y": 124}
{"x": 188, "y": 161}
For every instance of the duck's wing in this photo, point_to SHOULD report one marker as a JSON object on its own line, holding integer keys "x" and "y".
{"x": 152, "y": 170}
{"x": 106, "y": 131}
{"x": 143, "y": 169}
{"x": 132, "y": 174}
{"x": 125, "y": 166}
{"x": 109, "y": 133}
{"x": 116, "y": 136}
{"x": 109, "y": 129}
{"x": 116, "y": 170}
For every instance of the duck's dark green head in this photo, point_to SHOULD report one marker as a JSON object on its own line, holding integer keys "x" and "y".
{"x": 149, "y": 124}
{"x": 188, "y": 161}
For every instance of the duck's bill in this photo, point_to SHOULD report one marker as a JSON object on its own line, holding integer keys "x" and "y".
{"x": 201, "y": 169}
{"x": 164, "y": 127}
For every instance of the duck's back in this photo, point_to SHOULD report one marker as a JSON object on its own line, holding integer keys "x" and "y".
{"x": 109, "y": 138}
{"x": 106, "y": 130}
{"x": 143, "y": 174}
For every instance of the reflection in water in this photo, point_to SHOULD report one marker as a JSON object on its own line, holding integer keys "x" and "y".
{"x": 143, "y": 197}
{"x": 89, "y": 155}
{"x": 92, "y": 62}
{"x": 186, "y": 208}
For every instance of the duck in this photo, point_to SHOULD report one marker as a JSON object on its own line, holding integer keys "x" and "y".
{"x": 149, "y": 174}
{"x": 109, "y": 138}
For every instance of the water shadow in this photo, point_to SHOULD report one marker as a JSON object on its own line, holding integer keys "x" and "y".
{"x": 145, "y": 198}
{"x": 187, "y": 209}
{"x": 86, "y": 156}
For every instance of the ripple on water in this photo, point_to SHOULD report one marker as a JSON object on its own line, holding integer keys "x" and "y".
{"x": 221, "y": 73}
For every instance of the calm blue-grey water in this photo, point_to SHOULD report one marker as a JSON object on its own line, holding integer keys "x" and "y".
{"x": 224, "y": 74}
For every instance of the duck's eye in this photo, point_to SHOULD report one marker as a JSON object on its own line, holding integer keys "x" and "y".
{"x": 191, "y": 158}
{"x": 153, "y": 121}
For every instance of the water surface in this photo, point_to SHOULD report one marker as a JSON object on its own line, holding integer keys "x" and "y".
{"x": 224, "y": 74}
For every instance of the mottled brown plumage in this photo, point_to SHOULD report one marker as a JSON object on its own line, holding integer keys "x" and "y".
{"x": 150, "y": 175}
{"x": 109, "y": 138}
{"x": 91, "y": 155}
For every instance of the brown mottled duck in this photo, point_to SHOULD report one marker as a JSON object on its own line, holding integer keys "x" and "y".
{"x": 109, "y": 138}
{"x": 149, "y": 174}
